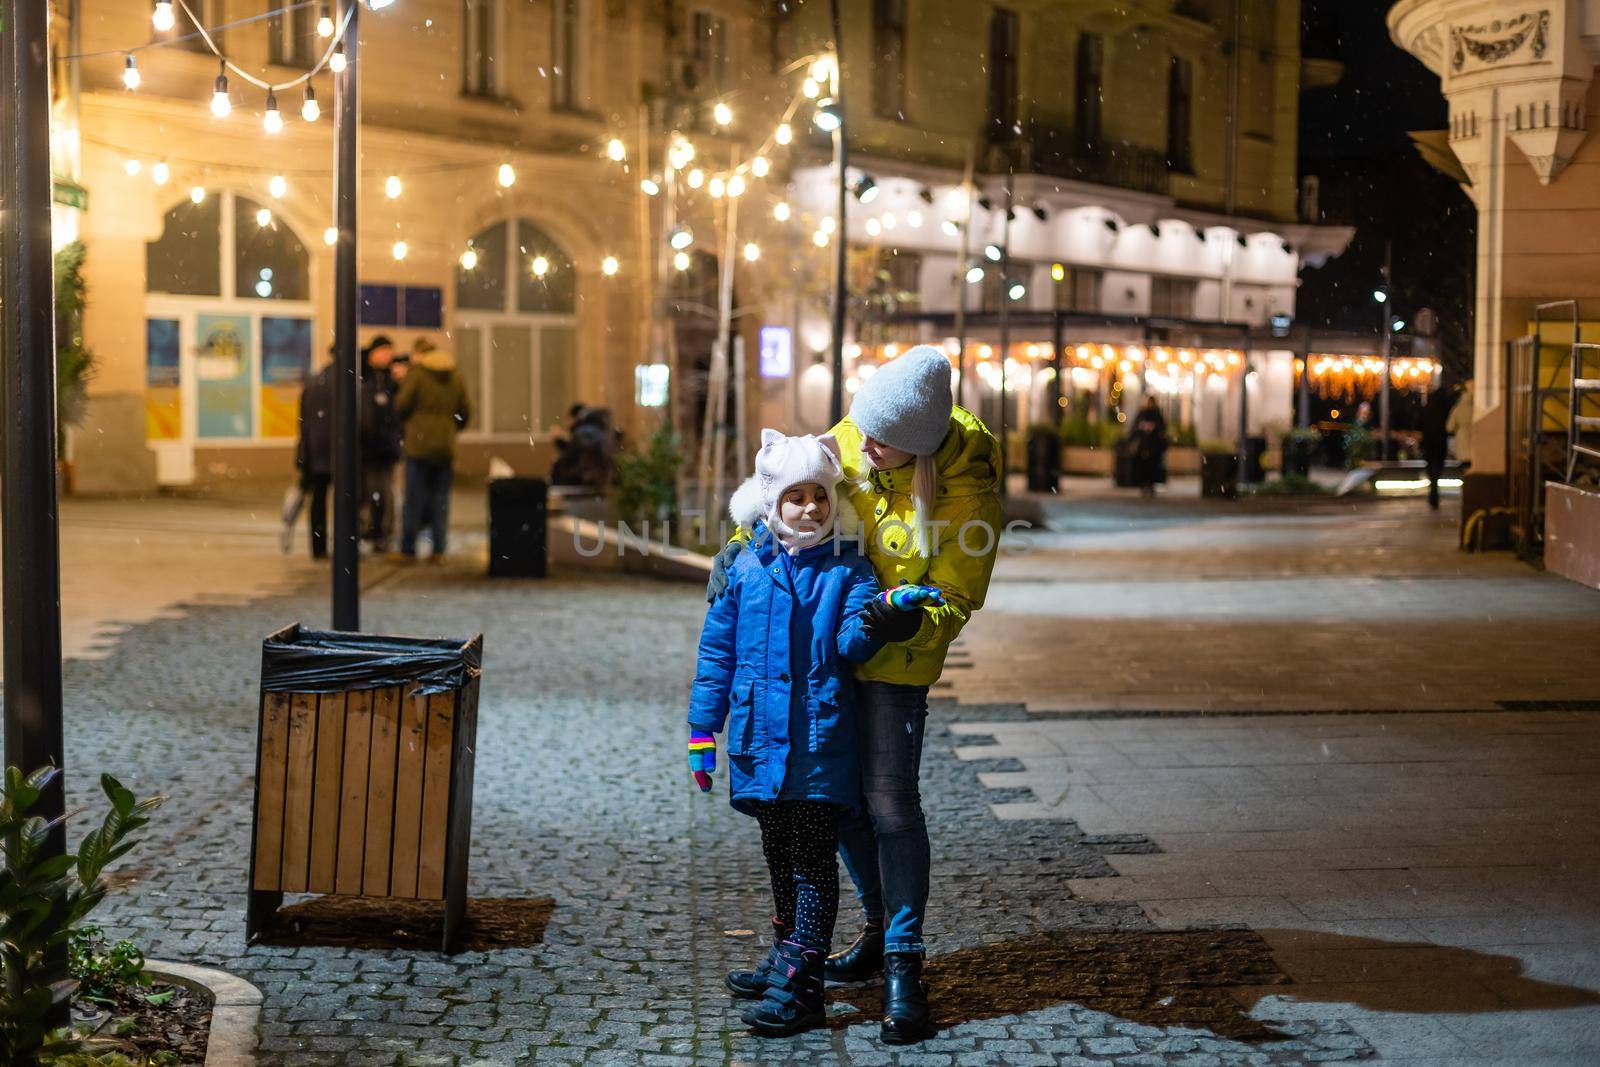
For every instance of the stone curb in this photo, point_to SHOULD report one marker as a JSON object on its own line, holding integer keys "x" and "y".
{"x": 235, "y": 1010}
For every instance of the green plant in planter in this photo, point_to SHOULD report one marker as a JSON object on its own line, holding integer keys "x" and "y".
{"x": 647, "y": 480}
{"x": 75, "y": 364}
{"x": 1043, "y": 431}
{"x": 1292, "y": 485}
{"x": 1307, "y": 437}
{"x": 43, "y": 899}
{"x": 103, "y": 969}
{"x": 1212, "y": 446}
{"x": 1184, "y": 437}
{"x": 1359, "y": 446}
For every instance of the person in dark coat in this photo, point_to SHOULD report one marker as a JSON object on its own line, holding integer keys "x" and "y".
{"x": 313, "y": 454}
{"x": 588, "y": 453}
{"x": 1149, "y": 443}
{"x": 433, "y": 405}
{"x": 380, "y": 439}
{"x": 1436, "y": 436}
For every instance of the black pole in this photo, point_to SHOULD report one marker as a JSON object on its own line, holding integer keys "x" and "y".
{"x": 1058, "y": 364}
{"x": 841, "y": 231}
{"x": 1244, "y": 416}
{"x": 1005, "y": 322}
{"x": 30, "y": 562}
{"x": 346, "y": 367}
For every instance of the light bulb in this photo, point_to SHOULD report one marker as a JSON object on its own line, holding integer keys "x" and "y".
{"x": 822, "y": 69}
{"x": 1017, "y": 291}
{"x": 160, "y": 173}
{"x": 507, "y": 177}
{"x": 391, "y": 187}
{"x": 399, "y": 250}
{"x": 336, "y": 62}
{"x": 752, "y": 252}
{"x": 718, "y": 187}
{"x": 819, "y": 239}
{"x": 616, "y": 150}
{"x": 221, "y": 106}
{"x": 780, "y": 211}
{"x": 330, "y": 236}
{"x": 310, "y": 111}
{"x": 888, "y": 220}
{"x": 827, "y": 117}
{"x": 608, "y": 266}
{"x": 277, "y": 186}
{"x": 681, "y": 238}
{"x": 697, "y": 178}
{"x": 264, "y": 218}
{"x": 993, "y": 252}
{"x": 722, "y": 113}
{"x": 325, "y": 23}
{"x": 914, "y": 218}
{"x": 162, "y": 18}
{"x": 759, "y": 166}
{"x": 974, "y": 275}
{"x": 874, "y": 227}
{"x": 827, "y": 224}
{"x": 131, "y": 168}
{"x": 130, "y": 73}
{"x": 811, "y": 88}
{"x": 681, "y": 261}
{"x": 197, "y": 194}
{"x": 541, "y": 266}
{"x": 469, "y": 259}
{"x": 950, "y": 227}
{"x": 271, "y": 119}
{"x": 736, "y": 185}
{"x": 784, "y": 133}
{"x": 650, "y": 186}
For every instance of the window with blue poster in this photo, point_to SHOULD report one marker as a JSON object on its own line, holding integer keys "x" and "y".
{"x": 424, "y": 307}
{"x": 380, "y": 305}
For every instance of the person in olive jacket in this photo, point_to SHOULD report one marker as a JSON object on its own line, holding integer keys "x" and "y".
{"x": 432, "y": 404}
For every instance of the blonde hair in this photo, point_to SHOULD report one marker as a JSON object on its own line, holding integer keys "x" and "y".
{"x": 924, "y": 488}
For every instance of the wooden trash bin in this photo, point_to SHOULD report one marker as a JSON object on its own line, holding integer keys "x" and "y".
{"x": 364, "y": 762}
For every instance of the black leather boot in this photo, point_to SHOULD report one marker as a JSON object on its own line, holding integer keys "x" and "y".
{"x": 752, "y": 984}
{"x": 905, "y": 999}
{"x": 861, "y": 961}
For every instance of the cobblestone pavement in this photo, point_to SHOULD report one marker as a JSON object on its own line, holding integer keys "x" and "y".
{"x": 639, "y": 892}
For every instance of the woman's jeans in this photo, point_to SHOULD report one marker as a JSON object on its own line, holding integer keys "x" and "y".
{"x": 427, "y": 501}
{"x": 885, "y": 848}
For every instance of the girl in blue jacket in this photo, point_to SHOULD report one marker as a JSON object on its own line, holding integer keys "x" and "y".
{"x": 775, "y": 664}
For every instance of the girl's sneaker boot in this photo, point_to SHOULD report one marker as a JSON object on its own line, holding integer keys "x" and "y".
{"x": 752, "y": 984}
{"x": 793, "y": 1000}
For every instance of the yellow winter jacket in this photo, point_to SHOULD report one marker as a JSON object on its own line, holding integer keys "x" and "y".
{"x": 967, "y": 522}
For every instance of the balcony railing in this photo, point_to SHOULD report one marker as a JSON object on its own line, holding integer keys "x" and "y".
{"x": 1060, "y": 152}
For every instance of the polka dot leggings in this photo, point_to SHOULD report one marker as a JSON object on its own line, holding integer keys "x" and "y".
{"x": 798, "y": 838}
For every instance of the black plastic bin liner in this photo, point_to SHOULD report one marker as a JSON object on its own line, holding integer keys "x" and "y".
{"x": 301, "y": 660}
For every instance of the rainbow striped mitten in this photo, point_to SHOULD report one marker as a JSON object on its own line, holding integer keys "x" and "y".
{"x": 912, "y": 597}
{"x": 702, "y": 758}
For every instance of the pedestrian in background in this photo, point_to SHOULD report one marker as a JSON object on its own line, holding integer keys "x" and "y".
{"x": 313, "y": 454}
{"x": 380, "y": 440}
{"x": 432, "y": 405}
{"x": 1436, "y": 436}
{"x": 1149, "y": 446}
{"x": 800, "y": 610}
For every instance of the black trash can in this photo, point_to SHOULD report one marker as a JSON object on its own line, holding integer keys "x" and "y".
{"x": 1044, "y": 463}
{"x": 518, "y": 511}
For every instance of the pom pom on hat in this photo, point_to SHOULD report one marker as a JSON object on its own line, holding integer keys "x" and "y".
{"x": 906, "y": 403}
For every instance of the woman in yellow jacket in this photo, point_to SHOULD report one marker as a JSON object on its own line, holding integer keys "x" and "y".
{"x": 923, "y": 475}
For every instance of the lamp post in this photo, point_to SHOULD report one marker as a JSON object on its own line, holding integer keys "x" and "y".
{"x": 346, "y": 365}
{"x": 840, "y": 259}
{"x": 1386, "y": 320}
{"x": 30, "y": 560}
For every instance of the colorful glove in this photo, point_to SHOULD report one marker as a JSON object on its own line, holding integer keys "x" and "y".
{"x": 702, "y": 759}
{"x": 912, "y": 597}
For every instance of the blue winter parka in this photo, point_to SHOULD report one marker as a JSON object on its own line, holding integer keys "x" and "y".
{"x": 776, "y": 660}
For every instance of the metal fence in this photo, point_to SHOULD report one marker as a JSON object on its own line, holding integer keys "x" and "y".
{"x": 1539, "y": 396}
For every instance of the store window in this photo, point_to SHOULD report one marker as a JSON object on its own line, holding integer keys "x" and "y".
{"x": 889, "y": 55}
{"x": 1180, "y": 99}
{"x": 1090, "y": 86}
{"x": 566, "y": 55}
{"x": 480, "y": 47}
{"x": 1172, "y": 298}
{"x": 1004, "y": 45}
{"x": 1079, "y": 290}
{"x": 228, "y": 322}
{"x": 516, "y": 330}
{"x": 292, "y": 39}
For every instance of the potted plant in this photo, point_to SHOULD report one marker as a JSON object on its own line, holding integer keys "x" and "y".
{"x": 1219, "y": 469}
{"x": 75, "y": 364}
{"x": 1359, "y": 446}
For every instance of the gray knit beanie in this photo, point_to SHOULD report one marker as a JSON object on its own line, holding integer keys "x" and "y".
{"x": 906, "y": 403}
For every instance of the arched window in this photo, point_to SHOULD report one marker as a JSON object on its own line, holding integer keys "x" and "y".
{"x": 516, "y": 331}
{"x": 229, "y": 322}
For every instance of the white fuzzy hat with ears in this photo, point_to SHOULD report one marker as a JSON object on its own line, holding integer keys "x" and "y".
{"x": 781, "y": 463}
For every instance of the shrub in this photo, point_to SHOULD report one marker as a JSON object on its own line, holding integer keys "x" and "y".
{"x": 647, "y": 480}
{"x": 1359, "y": 446}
